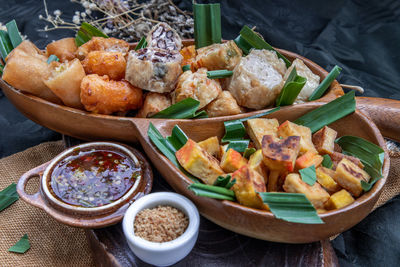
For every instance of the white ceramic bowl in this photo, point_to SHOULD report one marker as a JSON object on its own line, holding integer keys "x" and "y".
{"x": 167, "y": 253}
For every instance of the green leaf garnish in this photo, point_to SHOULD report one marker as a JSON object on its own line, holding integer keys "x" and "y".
{"x": 186, "y": 68}
{"x": 248, "y": 38}
{"x": 238, "y": 145}
{"x": 328, "y": 113}
{"x": 371, "y": 155}
{"x": 248, "y": 152}
{"x": 291, "y": 89}
{"x": 1, "y": 69}
{"x": 219, "y": 74}
{"x": 8, "y": 196}
{"x": 86, "y": 32}
{"x": 234, "y": 130}
{"x": 309, "y": 175}
{"x": 291, "y": 207}
{"x": 178, "y": 138}
{"x": 142, "y": 44}
{"x": 185, "y": 109}
{"x": 52, "y": 58}
{"x": 13, "y": 33}
{"x": 320, "y": 90}
{"x": 225, "y": 181}
{"x": 5, "y": 45}
{"x": 212, "y": 191}
{"x": 327, "y": 162}
{"x": 21, "y": 246}
{"x": 207, "y": 24}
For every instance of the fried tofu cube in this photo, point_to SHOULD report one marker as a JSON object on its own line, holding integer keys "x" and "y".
{"x": 257, "y": 128}
{"x": 339, "y": 200}
{"x": 211, "y": 145}
{"x": 257, "y": 164}
{"x": 336, "y": 157}
{"x": 288, "y": 128}
{"x": 280, "y": 154}
{"x": 198, "y": 162}
{"x": 248, "y": 183}
{"x": 316, "y": 194}
{"x": 349, "y": 176}
{"x": 232, "y": 161}
{"x": 308, "y": 159}
{"x": 325, "y": 178}
{"x": 324, "y": 140}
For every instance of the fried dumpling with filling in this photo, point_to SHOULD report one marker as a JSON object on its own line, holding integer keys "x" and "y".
{"x": 153, "y": 103}
{"x": 101, "y": 95}
{"x": 153, "y": 69}
{"x": 102, "y": 44}
{"x": 219, "y": 56}
{"x": 162, "y": 36}
{"x": 256, "y": 83}
{"x": 30, "y": 49}
{"x": 197, "y": 86}
{"x": 223, "y": 105}
{"x": 64, "y": 49}
{"x": 112, "y": 64}
{"x": 65, "y": 81}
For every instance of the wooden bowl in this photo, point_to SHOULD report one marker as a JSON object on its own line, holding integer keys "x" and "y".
{"x": 257, "y": 223}
{"x": 80, "y": 216}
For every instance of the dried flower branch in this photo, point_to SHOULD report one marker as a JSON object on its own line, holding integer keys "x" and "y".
{"x": 124, "y": 19}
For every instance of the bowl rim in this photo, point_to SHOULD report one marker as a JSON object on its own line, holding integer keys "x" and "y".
{"x": 161, "y": 198}
{"x": 67, "y": 152}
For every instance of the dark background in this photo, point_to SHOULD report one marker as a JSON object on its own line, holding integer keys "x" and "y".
{"x": 363, "y": 37}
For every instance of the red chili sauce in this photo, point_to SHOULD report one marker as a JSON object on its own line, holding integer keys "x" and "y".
{"x": 93, "y": 178}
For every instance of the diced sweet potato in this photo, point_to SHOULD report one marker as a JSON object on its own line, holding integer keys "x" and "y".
{"x": 257, "y": 128}
{"x": 248, "y": 183}
{"x": 349, "y": 176}
{"x": 211, "y": 145}
{"x": 316, "y": 194}
{"x": 232, "y": 161}
{"x": 339, "y": 200}
{"x": 308, "y": 159}
{"x": 324, "y": 140}
{"x": 324, "y": 178}
{"x": 198, "y": 162}
{"x": 288, "y": 128}
{"x": 257, "y": 164}
{"x": 280, "y": 154}
{"x": 337, "y": 157}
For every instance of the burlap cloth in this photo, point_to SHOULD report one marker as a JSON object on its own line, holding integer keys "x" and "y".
{"x": 55, "y": 244}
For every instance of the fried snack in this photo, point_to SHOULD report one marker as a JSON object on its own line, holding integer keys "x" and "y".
{"x": 102, "y": 44}
{"x": 189, "y": 54}
{"x": 257, "y": 128}
{"x": 30, "y": 49}
{"x": 218, "y": 56}
{"x": 162, "y": 36}
{"x": 64, "y": 49}
{"x": 211, "y": 145}
{"x": 289, "y": 128}
{"x": 197, "y": 86}
{"x": 256, "y": 83}
{"x": 154, "y": 70}
{"x": 153, "y": 103}
{"x": 349, "y": 176}
{"x": 112, "y": 64}
{"x": 223, "y": 105}
{"x": 101, "y": 95}
{"x": 26, "y": 73}
{"x": 65, "y": 81}
{"x": 232, "y": 161}
{"x": 324, "y": 140}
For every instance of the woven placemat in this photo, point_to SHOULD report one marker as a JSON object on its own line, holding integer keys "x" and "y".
{"x": 55, "y": 244}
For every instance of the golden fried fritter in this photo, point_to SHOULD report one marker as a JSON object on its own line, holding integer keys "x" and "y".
{"x": 101, "y": 95}
{"x": 102, "y": 44}
{"x": 112, "y": 64}
{"x": 64, "y": 49}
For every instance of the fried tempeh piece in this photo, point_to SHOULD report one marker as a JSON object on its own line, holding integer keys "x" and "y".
{"x": 291, "y": 129}
{"x": 349, "y": 176}
{"x": 257, "y": 128}
{"x": 154, "y": 103}
{"x": 324, "y": 140}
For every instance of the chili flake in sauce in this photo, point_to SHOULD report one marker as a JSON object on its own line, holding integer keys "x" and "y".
{"x": 93, "y": 178}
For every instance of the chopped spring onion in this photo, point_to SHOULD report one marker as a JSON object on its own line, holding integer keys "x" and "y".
{"x": 13, "y": 33}
{"x": 327, "y": 162}
{"x": 219, "y": 74}
{"x": 320, "y": 90}
{"x": 291, "y": 89}
{"x": 207, "y": 24}
{"x": 52, "y": 58}
{"x": 371, "y": 155}
{"x": 8, "y": 196}
{"x": 248, "y": 152}
{"x": 142, "y": 44}
{"x": 212, "y": 191}
{"x": 291, "y": 207}
{"x": 5, "y": 45}
{"x": 308, "y": 175}
{"x": 234, "y": 130}
{"x": 86, "y": 32}
{"x": 186, "y": 68}
{"x": 21, "y": 246}
{"x": 248, "y": 38}
{"x": 185, "y": 109}
{"x": 238, "y": 145}
{"x": 328, "y": 113}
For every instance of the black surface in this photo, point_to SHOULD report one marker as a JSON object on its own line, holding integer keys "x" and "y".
{"x": 361, "y": 36}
